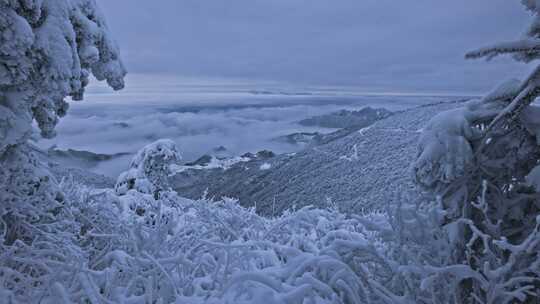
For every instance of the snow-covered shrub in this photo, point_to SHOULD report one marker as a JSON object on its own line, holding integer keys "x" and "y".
{"x": 136, "y": 247}
{"x": 461, "y": 261}
{"x": 219, "y": 252}
{"x": 27, "y": 195}
{"x": 205, "y": 252}
{"x": 150, "y": 169}
{"x": 481, "y": 162}
{"x": 99, "y": 247}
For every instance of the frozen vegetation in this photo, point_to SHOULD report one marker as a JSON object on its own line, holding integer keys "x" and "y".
{"x": 473, "y": 238}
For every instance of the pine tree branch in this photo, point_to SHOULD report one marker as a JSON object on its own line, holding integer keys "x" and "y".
{"x": 529, "y": 90}
{"x": 530, "y": 45}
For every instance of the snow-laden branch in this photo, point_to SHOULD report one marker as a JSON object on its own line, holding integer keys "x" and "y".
{"x": 528, "y": 47}
{"x": 48, "y": 50}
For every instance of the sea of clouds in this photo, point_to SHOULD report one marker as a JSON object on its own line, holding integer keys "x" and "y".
{"x": 200, "y": 115}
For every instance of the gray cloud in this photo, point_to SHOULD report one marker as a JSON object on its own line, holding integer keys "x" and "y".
{"x": 374, "y": 44}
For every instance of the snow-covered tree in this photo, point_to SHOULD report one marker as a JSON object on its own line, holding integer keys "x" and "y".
{"x": 48, "y": 51}
{"x": 150, "y": 169}
{"x": 482, "y": 161}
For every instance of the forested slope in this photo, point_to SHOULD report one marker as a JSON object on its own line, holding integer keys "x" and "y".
{"x": 354, "y": 172}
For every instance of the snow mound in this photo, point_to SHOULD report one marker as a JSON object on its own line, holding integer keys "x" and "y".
{"x": 211, "y": 163}
{"x": 265, "y": 166}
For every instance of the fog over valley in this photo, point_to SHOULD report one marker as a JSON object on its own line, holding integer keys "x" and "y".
{"x": 202, "y": 115}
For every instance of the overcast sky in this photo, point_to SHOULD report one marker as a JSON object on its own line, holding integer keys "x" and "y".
{"x": 376, "y": 45}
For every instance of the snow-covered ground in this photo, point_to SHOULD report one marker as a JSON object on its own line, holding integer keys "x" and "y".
{"x": 356, "y": 169}
{"x": 214, "y": 163}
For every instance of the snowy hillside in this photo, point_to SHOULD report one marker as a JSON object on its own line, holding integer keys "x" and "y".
{"x": 354, "y": 169}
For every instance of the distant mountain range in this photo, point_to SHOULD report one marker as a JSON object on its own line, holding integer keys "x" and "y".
{"x": 344, "y": 119}
{"x": 268, "y": 92}
{"x": 347, "y": 119}
{"x": 75, "y": 164}
{"x": 80, "y": 159}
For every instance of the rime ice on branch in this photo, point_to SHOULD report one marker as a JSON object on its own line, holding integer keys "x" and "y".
{"x": 445, "y": 149}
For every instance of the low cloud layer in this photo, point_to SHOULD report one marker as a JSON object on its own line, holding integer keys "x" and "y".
{"x": 199, "y": 122}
